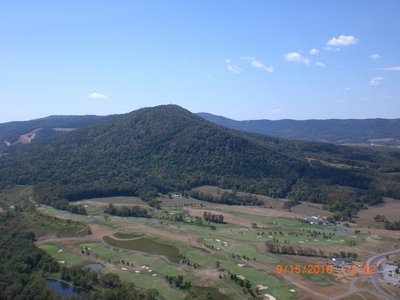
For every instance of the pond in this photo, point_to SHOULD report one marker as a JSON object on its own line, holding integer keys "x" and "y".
{"x": 95, "y": 266}
{"x": 62, "y": 288}
{"x": 146, "y": 245}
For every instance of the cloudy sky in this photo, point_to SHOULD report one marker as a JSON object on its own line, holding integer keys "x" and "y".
{"x": 240, "y": 59}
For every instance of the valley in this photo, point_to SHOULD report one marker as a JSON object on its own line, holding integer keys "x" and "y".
{"x": 146, "y": 250}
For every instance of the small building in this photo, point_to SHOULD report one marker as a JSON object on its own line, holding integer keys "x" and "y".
{"x": 315, "y": 220}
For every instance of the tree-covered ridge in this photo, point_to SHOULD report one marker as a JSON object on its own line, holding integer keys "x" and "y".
{"x": 167, "y": 148}
{"x": 11, "y": 131}
{"x": 339, "y": 131}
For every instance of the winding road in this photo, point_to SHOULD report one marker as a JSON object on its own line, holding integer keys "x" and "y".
{"x": 376, "y": 260}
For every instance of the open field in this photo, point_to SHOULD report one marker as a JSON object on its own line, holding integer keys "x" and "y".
{"x": 145, "y": 250}
{"x": 390, "y": 208}
{"x": 311, "y": 209}
{"x": 216, "y": 191}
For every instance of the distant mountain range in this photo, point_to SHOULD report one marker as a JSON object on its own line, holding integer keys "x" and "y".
{"x": 167, "y": 148}
{"x": 24, "y": 132}
{"x": 371, "y": 132}
{"x": 382, "y": 132}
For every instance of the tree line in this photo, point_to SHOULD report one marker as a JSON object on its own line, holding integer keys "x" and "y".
{"x": 277, "y": 248}
{"x": 125, "y": 211}
{"x": 210, "y": 217}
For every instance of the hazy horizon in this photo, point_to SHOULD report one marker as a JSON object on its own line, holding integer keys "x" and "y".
{"x": 201, "y": 112}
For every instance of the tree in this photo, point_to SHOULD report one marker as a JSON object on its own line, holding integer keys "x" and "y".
{"x": 217, "y": 264}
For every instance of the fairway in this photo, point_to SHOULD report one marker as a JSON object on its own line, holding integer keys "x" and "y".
{"x": 62, "y": 255}
{"x": 146, "y": 250}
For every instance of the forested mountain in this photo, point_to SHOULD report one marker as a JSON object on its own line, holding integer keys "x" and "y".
{"x": 385, "y": 132}
{"x": 167, "y": 148}
{"x": 24, "y": 132}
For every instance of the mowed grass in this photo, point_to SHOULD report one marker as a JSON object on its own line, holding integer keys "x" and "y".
{"x": 50, "y": 211}
{"x": 242, "y": 241}
{"x": 208, "y": 292}
{"x": 147, "y": 281}
{"x": 276, "y": 287}
{"x": 158, "y": 265}
{"x": 70, "y": 259}
{"x": 294, "y": 232}
{"x": 143, "y": 279}
{"x": 86, "y": 219}
{"x": 148, "y": 246}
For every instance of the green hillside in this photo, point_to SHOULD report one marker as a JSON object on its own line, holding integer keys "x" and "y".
{"x": 167, "y": 148}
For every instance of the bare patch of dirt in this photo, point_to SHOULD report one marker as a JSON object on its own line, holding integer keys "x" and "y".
{"x": 28, "y": 137}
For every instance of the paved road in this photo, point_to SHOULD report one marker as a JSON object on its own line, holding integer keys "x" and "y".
{"x": 376, "y": 260}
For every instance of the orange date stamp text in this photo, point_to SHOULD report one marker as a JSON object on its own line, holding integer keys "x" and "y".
{"x": 351, "y": 269}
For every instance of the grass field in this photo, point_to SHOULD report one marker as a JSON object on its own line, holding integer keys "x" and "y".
{"x": 390, "y": 208}
{"x": 127, "y": 245}
{"x": 59, "y": 253}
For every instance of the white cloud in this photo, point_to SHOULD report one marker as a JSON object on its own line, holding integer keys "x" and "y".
{"x": 258, "y": 64}
{"x": 297, "y": 58}
{"x": 97, "y": 96}
{"x": 375, "y": 56}
{"x": 332, "y": 49}
{"x": 320, "y": 64}
{"x": 394, "y": 68}
{"x": 375, "y": 81}
{"x": 346, "y": 88}
{"x": 314, "y": 51}
{"x": 233, "y": 68}
{"x": 342, "y": 40}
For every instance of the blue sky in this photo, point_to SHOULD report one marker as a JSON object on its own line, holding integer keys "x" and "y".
{"x": 240, "y": 59}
